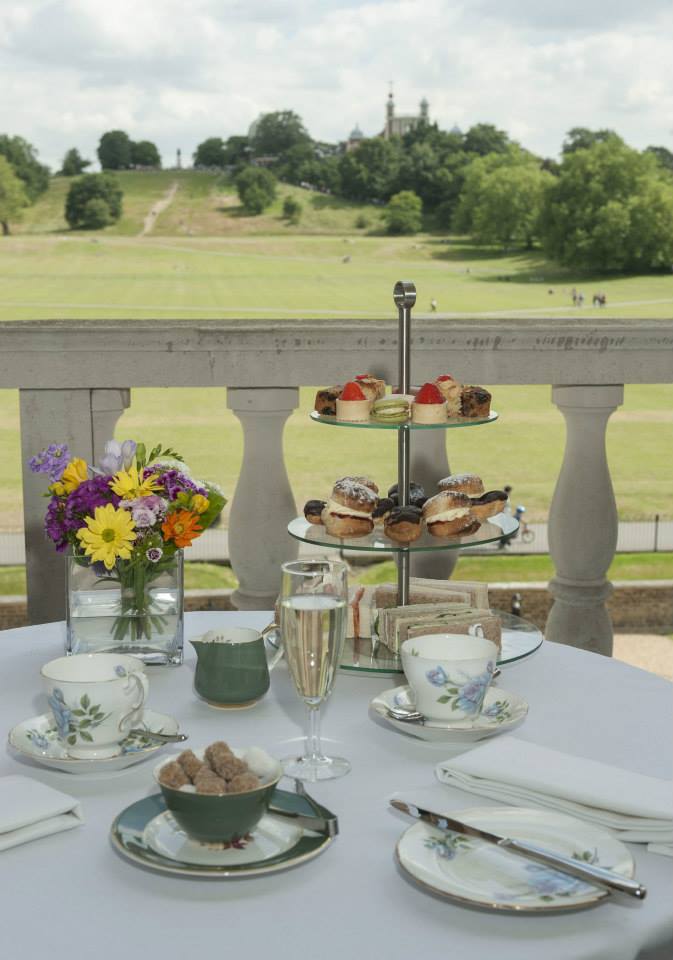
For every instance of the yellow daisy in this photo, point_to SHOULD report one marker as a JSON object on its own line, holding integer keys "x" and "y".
{"x": 74, "y": 474}
{"x": 199, "y": 503}
{"x": 108, "y": 534}
{"x": 128, "y": 484}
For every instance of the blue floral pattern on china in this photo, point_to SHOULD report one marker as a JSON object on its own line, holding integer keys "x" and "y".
{"x": 448, "y": 845}
{"x": 548, "y": 884}
{"x": 499, "y": 711}
{"x": 75, "y": 722}
{"x": 466, "y": 694}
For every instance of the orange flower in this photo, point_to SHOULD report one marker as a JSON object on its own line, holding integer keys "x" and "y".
{"x": 182, "y": 526}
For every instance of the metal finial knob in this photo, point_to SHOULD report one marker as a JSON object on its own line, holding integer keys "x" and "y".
{"x": 404, "y": 293}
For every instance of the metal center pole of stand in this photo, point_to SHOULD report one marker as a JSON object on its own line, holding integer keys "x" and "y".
{"x": 404, "y": 295}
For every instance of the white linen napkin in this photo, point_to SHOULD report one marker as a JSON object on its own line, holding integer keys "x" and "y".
{"x": 30, "y": 810}
{"x": 638, "y": 808}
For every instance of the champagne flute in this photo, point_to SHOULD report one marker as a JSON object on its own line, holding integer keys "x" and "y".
{"x": 313, "y": 619}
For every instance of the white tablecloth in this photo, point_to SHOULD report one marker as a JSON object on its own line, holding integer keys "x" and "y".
{"x": 71, "y": 895}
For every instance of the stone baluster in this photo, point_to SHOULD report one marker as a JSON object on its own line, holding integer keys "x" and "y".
{"x": 583, "y": 522}
{"x": 429, "y": 464}
{"x": 263, "y": 503}
{"x": 83, "y": 419}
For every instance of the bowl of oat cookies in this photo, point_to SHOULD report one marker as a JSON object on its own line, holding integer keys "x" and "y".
{"x": 218, "y": 793}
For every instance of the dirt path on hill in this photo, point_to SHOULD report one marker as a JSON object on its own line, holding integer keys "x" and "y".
{"x": 159, "y": 207}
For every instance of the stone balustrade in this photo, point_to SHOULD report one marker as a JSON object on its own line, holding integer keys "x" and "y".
{"x": 75, "y": 377}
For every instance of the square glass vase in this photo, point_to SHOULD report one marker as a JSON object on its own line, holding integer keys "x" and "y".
{"x": 138, "y": 611}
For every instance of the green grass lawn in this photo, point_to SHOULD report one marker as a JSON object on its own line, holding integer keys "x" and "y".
{"x": 496, "y": 569}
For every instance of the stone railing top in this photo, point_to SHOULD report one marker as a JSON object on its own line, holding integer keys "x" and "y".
{"x": 63, "y": 354}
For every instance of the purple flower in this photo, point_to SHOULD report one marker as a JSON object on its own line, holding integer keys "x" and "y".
{"x": 154, "y": 554}
{"x": 83, "y": 501}
{"x": 51, "y": 461}
{"x": 143, "y": 516}
{"x": 54, "y": 524}
{"x": 437, "y": 677}
{"x": 174, "y": 482}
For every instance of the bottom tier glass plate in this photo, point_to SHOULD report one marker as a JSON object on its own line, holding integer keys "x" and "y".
{"x": 520, "y": 638}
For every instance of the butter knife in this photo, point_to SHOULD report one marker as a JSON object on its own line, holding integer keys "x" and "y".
{"x": 583, "y": 871}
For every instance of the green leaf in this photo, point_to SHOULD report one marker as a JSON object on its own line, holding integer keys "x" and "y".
{"x": 72, "y": 739}
{"x": 84, "y": 723}
{"x": 84, "y": 701}
{"x": 86, "y": 736}
{"x": 141, "y": 454}
{"x": 95, "y": 709}
{"x": 443, "y": 699}
{"x": 79, "y": 713}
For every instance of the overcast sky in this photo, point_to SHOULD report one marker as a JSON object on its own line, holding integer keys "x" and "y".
{"x": 176, "y": 72}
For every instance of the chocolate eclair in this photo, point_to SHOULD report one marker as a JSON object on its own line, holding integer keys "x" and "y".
{"x": 417, "y": 495}
{"x": 313, "y": 510}
{"x": 488, "y": 504}
{"x": 382, "y": 509}
{"x": 403, "y": 524}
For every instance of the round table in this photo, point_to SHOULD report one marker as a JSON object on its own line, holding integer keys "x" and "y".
{"x": 71, "y": 895}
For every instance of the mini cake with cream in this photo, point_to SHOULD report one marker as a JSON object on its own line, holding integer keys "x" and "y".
{"x": 373, "y": 387}
{"x": 450, "y": 389}
{"x": 429, "y": 405}
{"x": 353, "y": 405}
{"x": 348, "y": 512}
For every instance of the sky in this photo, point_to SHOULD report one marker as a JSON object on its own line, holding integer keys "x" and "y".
{"x": 177, "y": 73}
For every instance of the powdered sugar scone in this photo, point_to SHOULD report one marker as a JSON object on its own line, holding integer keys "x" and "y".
{"x": 348, "y": 512}
{"x": 448, "y": 514}
{"x": 451, "y": 390}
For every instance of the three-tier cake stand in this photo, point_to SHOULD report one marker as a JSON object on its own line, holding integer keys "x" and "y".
{"x": 369, "y": 656}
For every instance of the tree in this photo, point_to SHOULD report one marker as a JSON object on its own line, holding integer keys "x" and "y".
{"x": 371, "y": 172}
{"x": 403, "y": 213}
{"x": 236, "y": 151}
{"x": 475, "y": 175}
{"x": 275, "y": 133}
{"x": 663, "y": 156}
{"x": 292, "y": 209}
{"x": 484, "y": 138}
{"x": 114, "y": 150}
{"x": 145, "y": 154}
{"x": 23, "y": 158}
{"x": 73, "y": 164}
{"x": 256, "y": 189}
{"x": 510, "y": 203}
{"x": 13, "y": 196}
{"x": 210, "y": 153}
{"x": 611, "y": 208}
{"x": 79, "y": 210}
{"x": 581, "y": 138}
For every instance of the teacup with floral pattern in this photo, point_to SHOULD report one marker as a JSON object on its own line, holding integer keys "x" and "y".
{"x": 95, "y": 699}
{"x": 449, "y": 674}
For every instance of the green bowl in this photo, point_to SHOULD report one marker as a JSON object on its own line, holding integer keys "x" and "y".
{"x": 218, "y": 819}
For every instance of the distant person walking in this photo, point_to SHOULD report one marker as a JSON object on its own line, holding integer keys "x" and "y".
{"x": 433, "y": 305}
{"x": 573, "y": 294}
{"x": 580, "y": 299}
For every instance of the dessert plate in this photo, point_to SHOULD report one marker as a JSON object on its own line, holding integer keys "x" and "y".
{"x": 503, "y": 711}
{"x": 37, "y": 739}
{"x": 476, "y": 873}
{"x": 147, "y": 834}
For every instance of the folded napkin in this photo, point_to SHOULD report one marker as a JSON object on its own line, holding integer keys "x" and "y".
{"x": 638, "y": 808}
{"x": 30, "y": 809}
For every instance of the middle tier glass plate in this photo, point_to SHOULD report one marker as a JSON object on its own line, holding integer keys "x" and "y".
{"x": 501, "y": 525}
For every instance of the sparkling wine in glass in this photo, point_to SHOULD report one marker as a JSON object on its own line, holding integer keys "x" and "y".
{"x": 313, "y": 619}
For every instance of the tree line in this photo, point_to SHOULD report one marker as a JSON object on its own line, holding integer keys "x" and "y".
{"x": 603, "y": 206}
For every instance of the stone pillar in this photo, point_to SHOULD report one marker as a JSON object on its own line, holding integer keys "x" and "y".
{"x": 83, "y": 419}
{"x": 583, "y": 522}
{"x": 263, "y": 504}
{"x": 429, "y": 464}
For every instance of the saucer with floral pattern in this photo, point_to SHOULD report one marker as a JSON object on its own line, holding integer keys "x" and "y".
{"x": 37, "y": 739}
{"x": 502, "y": 711}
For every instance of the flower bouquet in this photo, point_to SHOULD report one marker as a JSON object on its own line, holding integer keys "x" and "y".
{"x": 125, "y": 523}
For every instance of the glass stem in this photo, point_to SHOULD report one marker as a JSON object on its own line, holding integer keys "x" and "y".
{"x": 312, "y": 748}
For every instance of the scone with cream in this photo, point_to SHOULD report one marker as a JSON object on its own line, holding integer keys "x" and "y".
{"x": 348, "y": 512}
{"x": 448, "y": 514}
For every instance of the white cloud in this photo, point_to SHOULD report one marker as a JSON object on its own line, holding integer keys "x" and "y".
{"x": 70, "y": 69}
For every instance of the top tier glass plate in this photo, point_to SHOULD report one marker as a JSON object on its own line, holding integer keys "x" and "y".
{"x": 373, "y": 425}
{"x": 501, "y": 525}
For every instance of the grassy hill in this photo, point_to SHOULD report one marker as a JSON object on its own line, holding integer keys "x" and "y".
{"x": 205, "y": 204}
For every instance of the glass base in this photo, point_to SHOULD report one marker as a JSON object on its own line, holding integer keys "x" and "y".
{"x": 313, "y": 769}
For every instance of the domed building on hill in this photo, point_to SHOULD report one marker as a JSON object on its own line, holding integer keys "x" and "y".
{"x": 396, "y": 125}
